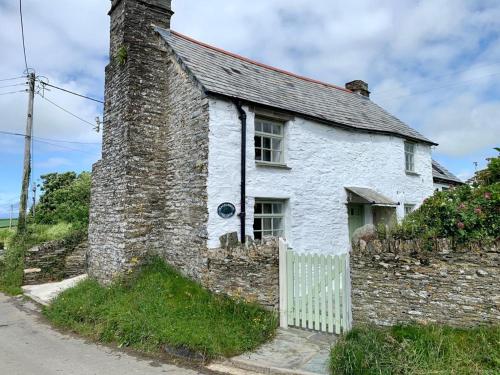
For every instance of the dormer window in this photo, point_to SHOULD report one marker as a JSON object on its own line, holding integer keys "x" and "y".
{"x": 269, "y": 141}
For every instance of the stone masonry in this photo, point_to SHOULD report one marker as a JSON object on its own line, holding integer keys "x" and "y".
{"x": 149, "y": 188}
{"x": 54, "y": 261}
{"x": 248, "y": 271}
{"x": 401, "y": 281}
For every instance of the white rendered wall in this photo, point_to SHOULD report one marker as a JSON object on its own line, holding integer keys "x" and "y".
{"x": 323, "y": 160}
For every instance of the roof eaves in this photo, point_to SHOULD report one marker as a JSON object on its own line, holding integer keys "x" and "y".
{"x": 322, "y": 120}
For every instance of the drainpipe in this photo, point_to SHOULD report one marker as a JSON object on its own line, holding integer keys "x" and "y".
{"x": 243, "y": 119}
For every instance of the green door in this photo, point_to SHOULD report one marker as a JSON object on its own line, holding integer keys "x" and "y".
{"x": 356, "y": 219}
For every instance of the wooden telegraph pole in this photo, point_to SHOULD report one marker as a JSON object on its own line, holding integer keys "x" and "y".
{"x": 21, "y": 224}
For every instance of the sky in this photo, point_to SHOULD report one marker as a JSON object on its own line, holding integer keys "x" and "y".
{"x": 434, "y": 64}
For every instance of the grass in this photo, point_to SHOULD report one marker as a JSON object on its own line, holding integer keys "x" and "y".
{"x": 156, "y": 306}
{"x": 12, "y": 264}
{"x": 5, "y": 223}
{"x": 417, "y": 349}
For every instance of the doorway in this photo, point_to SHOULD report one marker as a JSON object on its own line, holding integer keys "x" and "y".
{"x": 356, "y": 217}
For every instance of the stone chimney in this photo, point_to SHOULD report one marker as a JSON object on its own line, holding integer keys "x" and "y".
{"x": 359, "y": 87}
{"x": 128, "y": 182}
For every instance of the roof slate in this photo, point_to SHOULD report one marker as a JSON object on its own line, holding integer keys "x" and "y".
{"x": 441, "y": 173}
{"x": 223, "y": 73}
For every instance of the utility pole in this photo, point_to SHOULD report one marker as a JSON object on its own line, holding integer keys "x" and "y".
{"x": 21, "y": 224}
{"x": 33, "y": 189}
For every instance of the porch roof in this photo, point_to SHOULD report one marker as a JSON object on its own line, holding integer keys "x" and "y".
{"x": 369, "y": 196}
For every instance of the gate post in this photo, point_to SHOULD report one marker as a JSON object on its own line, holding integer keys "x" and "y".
{"x": 283, "y": 298}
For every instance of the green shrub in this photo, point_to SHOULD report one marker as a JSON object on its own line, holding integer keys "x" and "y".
{"x": 157, "y": 306}
{"x": 65, "y": 198}
{"x": 417, "y": 349}
{"x": 465, "y": 213}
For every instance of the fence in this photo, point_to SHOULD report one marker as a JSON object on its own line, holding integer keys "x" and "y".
{"x": 314, "y": 291}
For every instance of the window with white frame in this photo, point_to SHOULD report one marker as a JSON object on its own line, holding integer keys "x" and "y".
{"x": 269, "y": 217}
{"x": 410, "y": 157}
{"x": 409, "y": 208}
{"x": 269, "y": 141}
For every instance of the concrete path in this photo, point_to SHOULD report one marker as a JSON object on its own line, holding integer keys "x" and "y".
{"x": 30, "y": 347}
{"x": 293, "y": 351}
{"x": 45, "y": 293}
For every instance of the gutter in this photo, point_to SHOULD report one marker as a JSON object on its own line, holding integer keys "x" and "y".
{"x": 242, "y": 214}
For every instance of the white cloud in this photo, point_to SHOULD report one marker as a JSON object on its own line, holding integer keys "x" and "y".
{"x": 53, "y": 162}
{"x": 431, "y": 63}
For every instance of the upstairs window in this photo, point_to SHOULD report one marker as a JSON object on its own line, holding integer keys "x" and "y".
{"x": 269, "y": 141}
{"x": 268, "y": 219}
{"x": 410, "y": 157}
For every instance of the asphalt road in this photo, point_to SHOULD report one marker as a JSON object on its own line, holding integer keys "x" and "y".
{"x": 28, "y": 346}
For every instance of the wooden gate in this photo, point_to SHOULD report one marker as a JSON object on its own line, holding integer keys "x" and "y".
{"x": 315, "y": 291}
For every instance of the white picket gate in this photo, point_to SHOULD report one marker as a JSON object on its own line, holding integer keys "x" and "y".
{"x": 315, "y": 291}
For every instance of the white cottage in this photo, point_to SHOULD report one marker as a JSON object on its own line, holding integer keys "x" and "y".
{"x": 193, "y": 131}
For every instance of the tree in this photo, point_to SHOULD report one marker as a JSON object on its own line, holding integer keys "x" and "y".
{"x": 65, "y": 198}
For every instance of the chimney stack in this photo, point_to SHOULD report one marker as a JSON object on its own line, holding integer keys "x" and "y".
{"x": 359, "y": 87}
{"x": 128, "y": 182}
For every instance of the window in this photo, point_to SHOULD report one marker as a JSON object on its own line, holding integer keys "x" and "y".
{"x": 410, "y": 157}
{"x": 268, "y": 219}
{"x": 409, "y": 208}
{"x": 268, "y": 141}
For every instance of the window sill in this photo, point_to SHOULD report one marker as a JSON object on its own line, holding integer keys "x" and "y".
{"x": 271, "y": 165}
{"x": 411, "y": 173}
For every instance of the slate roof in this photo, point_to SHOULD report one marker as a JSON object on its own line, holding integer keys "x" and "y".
{"x": 230, "y": 75}
{"x": 441, "y": 173}
{"x": 371, "y": 196}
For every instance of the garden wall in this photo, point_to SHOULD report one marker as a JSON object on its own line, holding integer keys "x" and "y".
{"x": 54, "y": 261}
{"x": 249, "y": 271}
{"x": 401, "y": 281}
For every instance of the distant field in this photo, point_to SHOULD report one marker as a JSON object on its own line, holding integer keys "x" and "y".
{"x": 4, "y": 223}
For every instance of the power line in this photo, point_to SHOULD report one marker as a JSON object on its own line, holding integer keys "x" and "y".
{"x": 11, "y": 79}
{"x": 50, "y": 139}
{"x": 72, "y": 92}
{"x": 22, "y": 34}
{"x": 17, "y": 84}
{"x": 68, "y": 112}
{"x": 12, "y": 92}
{"x": 63, "y": 147}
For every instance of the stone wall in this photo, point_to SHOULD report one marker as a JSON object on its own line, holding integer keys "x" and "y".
{"x": 54, "y": 261}
{"x": 247, "y": 271}
{"x": 400, "y": 281}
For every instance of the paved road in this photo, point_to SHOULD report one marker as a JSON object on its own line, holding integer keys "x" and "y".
{"x": 30, "y": 347}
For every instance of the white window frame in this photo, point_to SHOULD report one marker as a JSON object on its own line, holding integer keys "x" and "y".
{"x": 275, "y": 232}
{"x": 273, "y": 138}
{"x": 409, "y": 208}
{"x": 410, "y": 148}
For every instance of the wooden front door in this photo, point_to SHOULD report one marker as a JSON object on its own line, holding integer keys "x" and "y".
{"x": 356, "y": 217}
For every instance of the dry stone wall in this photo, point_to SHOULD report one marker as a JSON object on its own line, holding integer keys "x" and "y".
{"x": 401, "y": 281}
{"x": 248, "y": 271}
{"x": 54, "y": 261}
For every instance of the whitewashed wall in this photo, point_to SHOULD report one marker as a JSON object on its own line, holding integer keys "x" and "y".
{"x": 323, "y": 160}
{"x": 439, "y": 186}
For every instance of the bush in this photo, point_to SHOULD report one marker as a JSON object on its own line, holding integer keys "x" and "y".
{"x": 465, "y": 213}
{"x": 65, "y": 198}
{"x": 417, "y": 349}
{"x": 156, "y": 306}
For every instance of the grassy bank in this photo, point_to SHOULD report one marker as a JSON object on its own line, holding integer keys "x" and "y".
{"x": 12, "y": 264}
{"x": 5, "y": 223}
{"x": 417, "y": 350}
{"x": 157, "y": 307}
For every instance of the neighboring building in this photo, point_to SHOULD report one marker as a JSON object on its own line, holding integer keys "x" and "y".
{"x": 189, "y": 127}
{"x": 443, "y": 178}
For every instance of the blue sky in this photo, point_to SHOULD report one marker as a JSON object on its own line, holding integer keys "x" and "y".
{"x": 434, "y": 64}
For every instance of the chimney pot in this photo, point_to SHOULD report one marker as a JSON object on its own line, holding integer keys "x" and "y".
{"x": 359, "y": 87}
